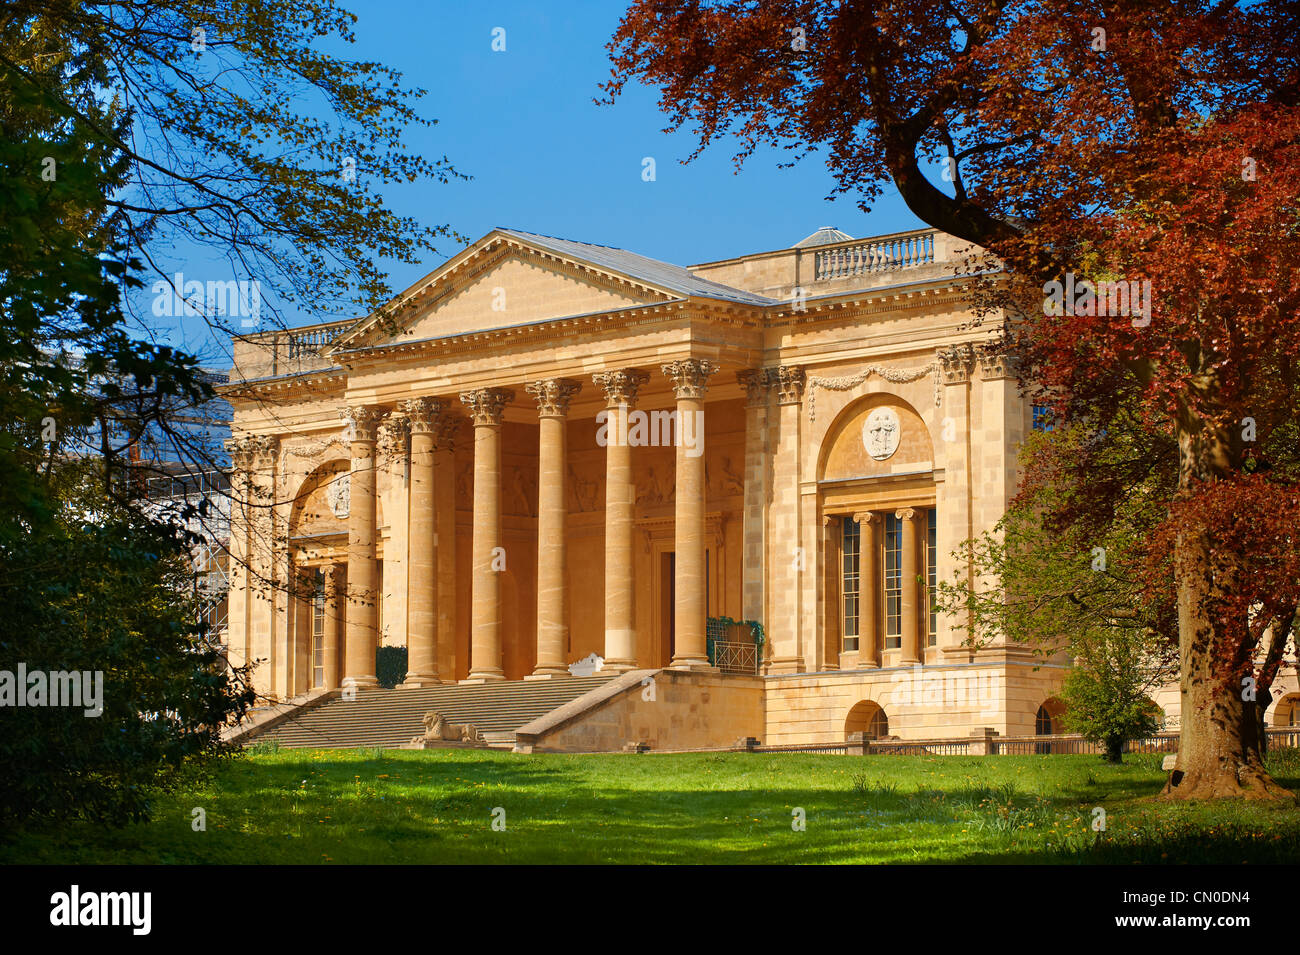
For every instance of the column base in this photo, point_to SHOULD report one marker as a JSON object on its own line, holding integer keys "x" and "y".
{"x": 362, "y": 682}
{"x": 415, "y": 681}
{"x": 619, "y": 666}
{"x": 549, "y": 674}
{"x": 695, "y": 666}
{"x": 483, "y": 678}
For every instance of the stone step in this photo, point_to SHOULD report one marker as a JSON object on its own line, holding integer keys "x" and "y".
{"x": 382, "y": 717}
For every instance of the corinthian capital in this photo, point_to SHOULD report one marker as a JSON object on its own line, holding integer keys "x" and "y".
{"x": 553, "y": 395}
{"x": 790, "y": 381}
{"x": 956, "y": 363}
{"x": 690, "y": 376}
{"x": 392, "y": 436}
{"x": 996, "y": 361}
{"x": 361, "y": 422}
{"x": 241, "y": 450}
{"x": 487, "y": 406}
{"x": 620, "y": 387}
{"x": 425, "y": 414}
{"x": 265, "y": 448}
{"x": 756, "y": 383}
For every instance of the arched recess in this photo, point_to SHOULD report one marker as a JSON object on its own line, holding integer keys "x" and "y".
{"x": 867, "y": 717}
{"x": 1048, "y": 720}
{"x": 318, "y": 533}
{"x": 322, "y": 503}
{"x": 878, "y": 501}
{"x": 845, "y": 454}
{"x": 1286, "y": 712}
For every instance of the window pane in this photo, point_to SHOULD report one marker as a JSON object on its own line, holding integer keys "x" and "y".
{"x": 318, "y": 632}
{"x": 932, "y": 574}
{"x": 851, "y": 549}
{"x": 893, "y": 582}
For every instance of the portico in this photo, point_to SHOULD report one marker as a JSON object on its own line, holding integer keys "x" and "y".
{"x": 558, "y": 449}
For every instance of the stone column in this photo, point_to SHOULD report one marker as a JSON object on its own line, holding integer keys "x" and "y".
{"x": 553, "y": 397}
{"x": 910, "y": 624}
{"x": 620, "y": 389}
{"x": 332, "y": 626}
{"x": 237, "y": 570}
{"x": 690, "y": 379}
{"x": 444, "y": 536}
{"x": 303, "y": 605}
{"x": 953, "y": 494}
{"x": 268, "y": 588}
{"x": 869, "y": 588}
{"x": 426, "y": 417}
{"x": 787, "y": 559}
{"x": 487, "y": 411}
{"x": 362, "y": 631}
{"x": 757, "y": 386}
{"x": 998, "y": 430}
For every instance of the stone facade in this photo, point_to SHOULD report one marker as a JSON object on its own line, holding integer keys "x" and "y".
{"x": 552, "y": 449}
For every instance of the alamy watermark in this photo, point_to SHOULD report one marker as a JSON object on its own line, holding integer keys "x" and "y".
{"x": 1130, "y": 299}
{"x": 976, "y": 691}
{"x": 240, "y": 299}
{"x": 653, "y": 429}
{"x": 84, "y": 688}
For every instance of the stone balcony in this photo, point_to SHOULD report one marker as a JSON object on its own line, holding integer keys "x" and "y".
{"x": 289, "y": 351}
{"x": 874, "y": 262}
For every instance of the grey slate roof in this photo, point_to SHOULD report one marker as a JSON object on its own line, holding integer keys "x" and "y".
{"x": 826, "y": 235}
{"x": 651, "y": 271}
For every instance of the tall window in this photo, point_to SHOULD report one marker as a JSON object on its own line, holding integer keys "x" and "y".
{"x": 893, "y": 582}
{"x": 932, "y": 575}
{"x": 851, "y": 548}
{"x": 1043, "y": 418}
{"x": 318, "y": 632}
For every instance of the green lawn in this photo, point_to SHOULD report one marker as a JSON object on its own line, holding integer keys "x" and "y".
{"x": 299, "y": 806}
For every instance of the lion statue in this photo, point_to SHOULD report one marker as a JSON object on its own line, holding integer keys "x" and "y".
{"x": 438, "y": 730}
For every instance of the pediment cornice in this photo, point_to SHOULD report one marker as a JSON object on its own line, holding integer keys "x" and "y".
{"x": 463, "y": 269}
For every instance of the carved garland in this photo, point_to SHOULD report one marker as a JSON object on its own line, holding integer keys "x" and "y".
{"x": 894, "y": 375}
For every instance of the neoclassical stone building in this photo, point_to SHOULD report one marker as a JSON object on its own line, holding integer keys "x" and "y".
{"x": 562, "y": 449}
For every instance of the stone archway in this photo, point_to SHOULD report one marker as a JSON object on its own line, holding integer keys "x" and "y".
{"x": 869, "y": 718}
{"x": 1048, "y": 721}
{"x": 1286, "y": 712}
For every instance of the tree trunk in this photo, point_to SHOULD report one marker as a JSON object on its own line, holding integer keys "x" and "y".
{"x": 1115, "y": 749}
{"x": 1220, "y": 745}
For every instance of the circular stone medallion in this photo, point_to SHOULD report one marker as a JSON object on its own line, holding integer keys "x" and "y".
{"x": 880, "y": 433}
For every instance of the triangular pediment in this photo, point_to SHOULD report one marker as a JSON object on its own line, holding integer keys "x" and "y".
{"x": 504, "y": 281}
{"x": 520, "y": 289}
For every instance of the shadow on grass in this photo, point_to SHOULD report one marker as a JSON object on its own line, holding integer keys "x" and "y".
{"x": 440, "y": 806}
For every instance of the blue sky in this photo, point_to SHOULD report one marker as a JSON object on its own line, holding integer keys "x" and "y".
{"x": 545, "y": 158}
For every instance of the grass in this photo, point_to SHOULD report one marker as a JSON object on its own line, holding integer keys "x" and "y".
{"x": 437, "y": 806}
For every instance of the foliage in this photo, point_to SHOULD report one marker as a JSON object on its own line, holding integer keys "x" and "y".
{"x": 126, "y": 131}
{"x": 1057, "y": 575}
{"x": 390, "y": 665}
{"x": 1143, "y": 142}
{"x": 1105, "y": 692}
{"x": 105, "y": 593}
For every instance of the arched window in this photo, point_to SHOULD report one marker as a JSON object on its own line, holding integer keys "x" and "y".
{"x": 878, "y": 728}
{"x": 1043, "y": 722}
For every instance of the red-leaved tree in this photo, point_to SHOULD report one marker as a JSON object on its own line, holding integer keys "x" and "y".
{"x": 1128, "y": 142}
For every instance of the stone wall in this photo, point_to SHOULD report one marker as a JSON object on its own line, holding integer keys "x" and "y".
{"x": 666, "y": 709}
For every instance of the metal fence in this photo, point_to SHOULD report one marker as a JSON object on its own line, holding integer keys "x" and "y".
{"x": 1055, "y": 745}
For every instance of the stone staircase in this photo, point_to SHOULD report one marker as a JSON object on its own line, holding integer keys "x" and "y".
{"x": 380, "y": 717}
